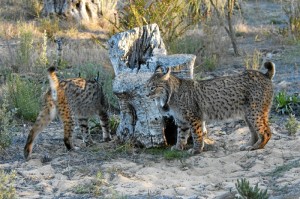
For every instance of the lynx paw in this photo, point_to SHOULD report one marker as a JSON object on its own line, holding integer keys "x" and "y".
{"x": 194, "y": 151}
{"x": 27, "y": 155}
{"x": 89, "y": 142}
{"x": 246, "y": 148}
{"x": 106, "y": 139}
{"x": 175, "y": 147}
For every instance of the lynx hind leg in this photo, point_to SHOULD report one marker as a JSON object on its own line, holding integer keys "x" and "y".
{"x": 68, "y": 122}
{"x": 197, "y": 135}
{"x": 46, "y": 115}
{"x": 183, "y": 133}
{"x": 260, "y": 131}
{"x": 84, "y": 129}
{"x": 104, "y": 122}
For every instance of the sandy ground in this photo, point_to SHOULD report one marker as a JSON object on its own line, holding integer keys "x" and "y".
{"x": 111, "y": 170}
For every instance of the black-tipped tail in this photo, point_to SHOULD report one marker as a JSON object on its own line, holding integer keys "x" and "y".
{"x": 51, "y": 69}
{"x": 271, "y": 69}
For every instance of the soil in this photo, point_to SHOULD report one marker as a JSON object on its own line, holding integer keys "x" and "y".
{"x": 114, "y": 170}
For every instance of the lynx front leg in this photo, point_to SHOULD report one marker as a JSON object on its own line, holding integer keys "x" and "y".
{"x": 183, "y": 133}
{"x": 104, "y": 122}
{"x": 197, "y": 135}
{"x": 43, "y": 120}
{"x": 84, "y": 129}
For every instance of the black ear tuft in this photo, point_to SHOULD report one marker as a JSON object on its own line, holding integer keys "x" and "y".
{"x": 156, "y": 69}
{"x": 166, "y": 70}
{"x": 163, "y": 70}
{"x": 51, "y": 69}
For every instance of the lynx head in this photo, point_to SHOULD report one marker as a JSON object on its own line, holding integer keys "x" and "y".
{"x": 158, "y": 88}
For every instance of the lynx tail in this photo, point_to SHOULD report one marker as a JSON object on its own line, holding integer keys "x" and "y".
{"x": 271, "y": 69}
{"x": 54, "y": 82}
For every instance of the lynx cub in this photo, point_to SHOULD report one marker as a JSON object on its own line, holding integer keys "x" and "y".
{"x": 192, "y": 103}
{"x": 72, "y": 97}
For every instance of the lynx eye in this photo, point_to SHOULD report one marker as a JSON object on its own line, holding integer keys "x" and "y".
{"x": 152, "y": 88}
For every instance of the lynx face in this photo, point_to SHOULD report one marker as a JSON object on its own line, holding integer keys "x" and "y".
{"x": 158, "y": 91}
{"x": 192, "y": 103}
{"x": 71, "y": 98}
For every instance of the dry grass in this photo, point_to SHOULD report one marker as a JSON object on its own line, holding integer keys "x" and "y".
{"x": 82, "y": 43}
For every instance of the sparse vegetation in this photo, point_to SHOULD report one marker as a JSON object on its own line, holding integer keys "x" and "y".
{"x": 292, "y": 125}
{"x": 286, "y": 104}
{"x": 50, "y": 25}
{"x": 94, "y": 187}
{"x": 176, "y": 20}
{"x": 42, "y": 61}
{"x": 253, "y": 61}
{"x": 175, "y": 154}
{"x": 25, "y": 96}
{"x": 280, "y": 170}
{"x": 167, "y": 153}
{"x": 7, "y": 185}
{"x": 114, "y": 121}
{"x": 248, "y": 192}
{"x": 6, "y": 122}
{"x": 27, "y": 48}
{"x": 292, "y": 11}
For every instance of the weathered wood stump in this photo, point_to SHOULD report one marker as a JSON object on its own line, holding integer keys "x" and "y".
{"x": 80, "y": 10}
{"x": 135, "y": 54}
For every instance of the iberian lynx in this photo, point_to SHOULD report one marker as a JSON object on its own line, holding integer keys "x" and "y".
{"x": 247, "y": 95}
{"x": 74, "y": 98}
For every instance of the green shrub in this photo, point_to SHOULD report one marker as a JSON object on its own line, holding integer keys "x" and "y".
{"x": 190, "y": 44}
{"x": 292, "y": 125}
{"x": 25, "y": 96}
{"x": 286, "y": 104}
{"x": 6, "y": 123}
{"x": 7, "y": 181}
{"x": 247, "y": 192}
{"x": 167, "y": 153}
{"x": 209, "y": 64}
{"x": 114, "y": 122}
{"x": 175, "y": 154}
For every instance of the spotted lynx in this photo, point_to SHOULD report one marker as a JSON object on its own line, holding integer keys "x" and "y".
{"x": 75, "y": 97}
{"x": 192, "y": 103}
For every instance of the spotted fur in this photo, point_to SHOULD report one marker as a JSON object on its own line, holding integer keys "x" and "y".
{"x": 247, "y": 95}
{"x": 71, "y": 98}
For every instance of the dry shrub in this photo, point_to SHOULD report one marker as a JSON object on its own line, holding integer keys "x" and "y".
{"x": 253, "y": 61}
{"x": 16, "y": 10}
{"x": 50, "y": 25}
{"x": 108, "y": 13}
{"x": 178, "y": 16}
{"x": 82, "y": 52}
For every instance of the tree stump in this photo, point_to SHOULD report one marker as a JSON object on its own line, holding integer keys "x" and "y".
{"x": 80, "y": 10}
{"x": 135, "y": 54}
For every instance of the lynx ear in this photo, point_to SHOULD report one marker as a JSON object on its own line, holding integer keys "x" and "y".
{"x": 157, "y": 69}
{"x": 167, "y": 75}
